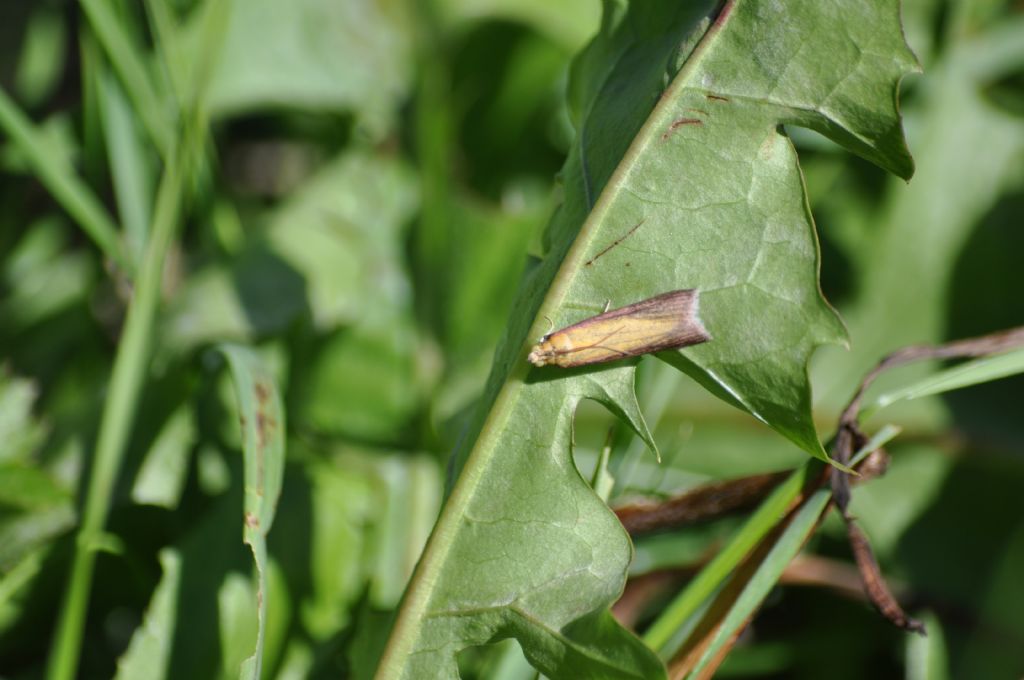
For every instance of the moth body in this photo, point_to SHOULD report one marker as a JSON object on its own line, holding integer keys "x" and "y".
{"x": 666, "y": 321}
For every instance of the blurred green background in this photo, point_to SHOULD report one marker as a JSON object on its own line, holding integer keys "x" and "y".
{"x": 373, "y": 185}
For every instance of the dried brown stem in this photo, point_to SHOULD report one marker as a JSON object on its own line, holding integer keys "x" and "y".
{"x": 697, "y": 505}
{"x": 717, "y": 499}
{"x": 849, "y": 438}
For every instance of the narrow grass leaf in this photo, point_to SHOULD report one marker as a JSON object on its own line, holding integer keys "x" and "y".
{"x": 717, "y": 571}
{"x": 766, "y": 576}
{"x": 129, "y": 61}
{"x": 262, "y": 420}
{"x": 928, "y": 656}
{"x": 149, "y": 655}
{"x": 130, "y": 166}
{"x": 56, "y": 173}
{"x": 677, "y": 615}
{"x": 164, "y": 26}
{"x": 129, "y": 372}
{"x": 956, "y": 377}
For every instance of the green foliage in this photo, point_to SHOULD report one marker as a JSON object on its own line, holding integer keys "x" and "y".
{"x": 258, "y": 260}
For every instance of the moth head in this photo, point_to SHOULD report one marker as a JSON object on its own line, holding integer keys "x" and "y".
{"x": 549, "y": 348}
{"x": 541, "y": 353}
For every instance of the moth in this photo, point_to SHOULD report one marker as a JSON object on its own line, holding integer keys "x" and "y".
{"x": 666, "y": 321}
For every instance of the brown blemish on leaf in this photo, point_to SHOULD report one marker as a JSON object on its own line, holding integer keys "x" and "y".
{"x": 678, "y": 123}
{"x": 262, "y": 393}
{"x": 716, "y": 98}
{"x": 614, "y": 243}
{"x": 264, "y": 422}
{"x": 261, "y": 429}
{"x": 265, "y": 427}
{"x": 251, "y": 521}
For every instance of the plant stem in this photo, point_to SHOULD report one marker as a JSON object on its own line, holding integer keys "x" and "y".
{"x": 126, "y": 380}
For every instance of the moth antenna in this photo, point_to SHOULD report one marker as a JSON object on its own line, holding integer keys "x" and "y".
{"x": 551, "y": 325}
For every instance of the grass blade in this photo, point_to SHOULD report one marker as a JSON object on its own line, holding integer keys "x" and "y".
{"x": 73, "y": 195}
{"x": 126, "y": 59}
{"x": 262, "y": 417}
{"x": 660, "y": 635}
{"x": 963, "y": 375}
{"x": 130, "y": 170}
{"x": 756, "y": 586}
{"x": 129, "y": 370}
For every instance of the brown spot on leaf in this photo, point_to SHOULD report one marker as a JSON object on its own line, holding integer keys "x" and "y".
{"x": 265, "y": 425}
{"x": 615, "y": 243}
{"x": 262, "y": 392}
{"x": 680, "y": 122}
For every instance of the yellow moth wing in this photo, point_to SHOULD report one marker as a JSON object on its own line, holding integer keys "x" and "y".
{"x": 663, "y": 322}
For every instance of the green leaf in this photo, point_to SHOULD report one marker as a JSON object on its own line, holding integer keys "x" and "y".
{"x": 237, "y": 606}
{"x": 928, "y": 656}
{"x": 960, "y": 376}
{"x": 201, "y": 620}
{"x": 342, "y": 231}
{"x": 251, "y": 296}
{"x": 362, "y": 382}
{"x": 570, "y": 23}
{"x": 313, "y": 55}
{"x": 326, "y": 561}
{"x": 161, "y": 478}
{"x": 43, "y": 277}
{"x": 19, "y": 431}
{"x": 409, "y": 498}
{"x": 530, "y": 551}
{"x": 25, "y": 532}
{"x": 482, "y": 269}
{"x": 332, "y": 248}
{"x": 717, "y": 192}
{"x": 149, "y": 654}
{"x": 692, "y": 185}
{"x": 15, "y": 587}
{"x": 953, "y": 125}
{"x": 29, "y": 488}
{"x": 43, "y": 50}
{"x": 262, "y": 419}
